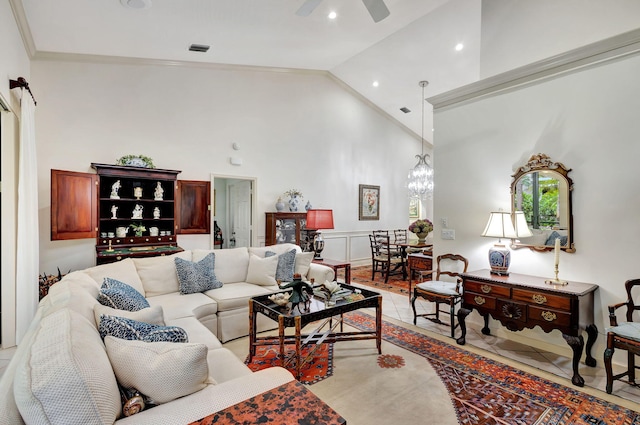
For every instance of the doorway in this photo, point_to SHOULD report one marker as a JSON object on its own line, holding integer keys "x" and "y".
{"x": 234, "y": 210}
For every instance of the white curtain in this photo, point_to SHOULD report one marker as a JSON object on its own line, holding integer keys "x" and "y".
{"x": 27, "y": 249}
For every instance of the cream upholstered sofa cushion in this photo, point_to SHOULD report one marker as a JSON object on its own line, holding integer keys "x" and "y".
{"x": 158, "y": 274}
{"x": 151, "y": 315}
{"x": 66, "y": 377}
{"x": 124, "y": 271}
{"x": 230, "y": 264}
{"x": 162, "y": 371}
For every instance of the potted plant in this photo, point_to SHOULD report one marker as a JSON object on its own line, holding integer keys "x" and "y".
{"x": 138, "y": 228}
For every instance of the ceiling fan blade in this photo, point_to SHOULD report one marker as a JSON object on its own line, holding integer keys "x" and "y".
{"x": 377, "y": 9}
{"x": 307, "y": 7}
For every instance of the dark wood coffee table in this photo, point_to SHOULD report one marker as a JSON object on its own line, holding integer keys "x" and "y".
{"x": 329, "y": 317}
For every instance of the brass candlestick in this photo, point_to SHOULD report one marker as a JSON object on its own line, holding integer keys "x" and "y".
{"x": 110, "y": 249}
{"x": 556, "y": 281}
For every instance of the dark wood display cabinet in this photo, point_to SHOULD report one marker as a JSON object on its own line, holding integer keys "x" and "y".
{"x": 110, "y": 204}
{"x": 288, "y": 227}
{"x": 127, "y": 196}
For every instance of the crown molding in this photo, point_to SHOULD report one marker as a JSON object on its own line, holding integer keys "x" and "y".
{"x": 572, "y": 61}
{"x": 25, "y": 32}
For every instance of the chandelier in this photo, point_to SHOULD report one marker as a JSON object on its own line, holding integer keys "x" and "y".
{"x": 420, "y": 181}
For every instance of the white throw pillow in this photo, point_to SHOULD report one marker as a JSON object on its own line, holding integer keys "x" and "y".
{"x": 262, "y": 271}
{"x": 153, "y": 315}
{"x": 65, "y": 377}
{"x": 163, "y": 371}
{"x": 303, "y": 263}
{"x": 124, "y": 271}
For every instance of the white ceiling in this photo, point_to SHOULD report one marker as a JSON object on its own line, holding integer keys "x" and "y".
{"x": 416, "y": 42}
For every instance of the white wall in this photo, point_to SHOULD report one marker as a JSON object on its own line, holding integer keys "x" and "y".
{"x": 516, "y": 33}
{"x": 295, "y": 129}
{"x": 587, "y": 120}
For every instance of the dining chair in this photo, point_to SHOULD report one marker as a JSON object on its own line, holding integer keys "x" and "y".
{"x": 400, "y": 236}
{"x": 624, "y": 336}
{"x": 445, "y": 288}
{"x": 383, "y": 260}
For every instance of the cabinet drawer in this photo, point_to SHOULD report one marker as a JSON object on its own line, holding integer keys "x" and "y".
{"x": 479, "y": 300}
{"x": 487, "y": 288}
{"x": 549, "y": 316}
{"x": 511, "y": 310}
{"x": 542, "y": 299}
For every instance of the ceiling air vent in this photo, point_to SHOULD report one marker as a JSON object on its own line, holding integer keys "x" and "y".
{"x": 198, "y": 48}
{"x": 405, "y": 109}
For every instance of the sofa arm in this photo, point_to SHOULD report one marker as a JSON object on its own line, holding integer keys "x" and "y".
{"x": 211, "y": 399}
{"x": 321, "y": 273}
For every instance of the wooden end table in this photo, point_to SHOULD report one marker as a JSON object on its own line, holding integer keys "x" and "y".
{"x": 329, "y": 316}
{"x": 335, "y": 265}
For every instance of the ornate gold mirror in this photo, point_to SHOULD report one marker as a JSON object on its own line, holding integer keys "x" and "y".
{"x": 542, "y": 190}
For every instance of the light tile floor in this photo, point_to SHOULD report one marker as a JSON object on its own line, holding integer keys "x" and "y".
{"x": 398, "y": 307}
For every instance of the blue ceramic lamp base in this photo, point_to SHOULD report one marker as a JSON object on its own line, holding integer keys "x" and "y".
{"x": 499, "y": 259}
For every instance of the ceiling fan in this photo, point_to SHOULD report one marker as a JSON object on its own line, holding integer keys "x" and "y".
{"x": 377, "y": 9}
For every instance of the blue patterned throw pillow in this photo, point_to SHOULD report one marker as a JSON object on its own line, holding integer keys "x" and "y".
{"x": 197, "y": 277}
{"x": 130, "y": 329}
{"x": 551, "y": 240}
{"x": 119, "y": 295}
{"x": 286, "y": 265}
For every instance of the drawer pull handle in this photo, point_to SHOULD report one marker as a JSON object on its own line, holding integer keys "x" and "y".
{"x": 485, "y": 289}
{"x": 539, "y": 299}
{"x": 479, "y": 300}
{"x": 548, "y": 316}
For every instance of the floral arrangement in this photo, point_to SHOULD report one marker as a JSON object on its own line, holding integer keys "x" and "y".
{"x": 138, "y": 228}
{"x": 421, "y": 225}
{"x": 293, "y": 192}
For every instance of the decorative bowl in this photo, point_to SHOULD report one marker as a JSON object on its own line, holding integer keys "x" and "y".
{"x": 281, "y": 298}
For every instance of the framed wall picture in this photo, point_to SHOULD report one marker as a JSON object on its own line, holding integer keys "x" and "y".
{"x": 414, "y": 208}
{"x": 369, "y": 202}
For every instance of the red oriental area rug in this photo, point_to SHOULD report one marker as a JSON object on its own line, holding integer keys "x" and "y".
{"x": 484, "y": 391}
{"x": 362, "y": 275}
{"x": 318, "y": 368}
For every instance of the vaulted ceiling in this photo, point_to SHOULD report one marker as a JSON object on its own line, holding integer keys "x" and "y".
{"x": 417, "y": 41}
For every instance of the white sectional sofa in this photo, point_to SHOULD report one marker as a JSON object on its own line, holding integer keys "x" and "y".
{"x": 63, "y": 372}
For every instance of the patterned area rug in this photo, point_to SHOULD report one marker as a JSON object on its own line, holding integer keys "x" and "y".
{"x": 318, "y": 368}
{"x": 362, "y": 275}
{"x": 484, "y": 391}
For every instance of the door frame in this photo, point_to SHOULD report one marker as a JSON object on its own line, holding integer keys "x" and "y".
{"x": 253, "y": 239}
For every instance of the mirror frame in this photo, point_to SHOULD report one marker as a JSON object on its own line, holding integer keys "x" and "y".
{"x": 542, "y": 162}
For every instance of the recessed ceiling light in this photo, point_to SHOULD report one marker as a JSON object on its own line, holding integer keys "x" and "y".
{"x": 376, "y": 84}
{"x": 136, "y": 4}
{"x": 459, "y": 46}
{"x": 332, "y": 15}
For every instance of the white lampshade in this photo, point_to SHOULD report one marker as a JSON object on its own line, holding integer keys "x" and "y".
{"x": 520, "y": 225}
{"x": 500, "y": 226}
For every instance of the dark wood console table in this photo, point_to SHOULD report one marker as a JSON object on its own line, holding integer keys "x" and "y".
{"x": 521, "y": 301}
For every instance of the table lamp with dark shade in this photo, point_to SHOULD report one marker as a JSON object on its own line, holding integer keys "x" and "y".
{"x": 318, "y": 220}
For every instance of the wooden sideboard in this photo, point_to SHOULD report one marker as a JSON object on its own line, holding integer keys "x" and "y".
{"x": 521, "y": 301}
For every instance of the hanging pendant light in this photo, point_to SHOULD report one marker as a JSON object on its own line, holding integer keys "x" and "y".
{"x": 420, "y": 181}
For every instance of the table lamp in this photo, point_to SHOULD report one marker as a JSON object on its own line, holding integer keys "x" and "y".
{"x": 499, "y": 226}
{"x": 317, "y": 220}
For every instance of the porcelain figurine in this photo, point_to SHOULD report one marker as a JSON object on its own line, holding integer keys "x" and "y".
{"x": 114, "y": 190}
{"x": 158, "y": 193}
{"x": 137, "y": 212}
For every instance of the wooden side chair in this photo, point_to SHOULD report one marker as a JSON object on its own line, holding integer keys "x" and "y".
{"x": 624, "y": 336}
{"x": 383, "y": 260}
{"x": 444, "y": 289}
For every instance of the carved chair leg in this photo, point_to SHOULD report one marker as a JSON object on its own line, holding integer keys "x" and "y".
{"x": 608, "y": 354}
{"x": 413, "y": 305}
{"x": 592, "y": 334}
{"x": 632, "y": 367}
{"x": 452, "y": 305}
